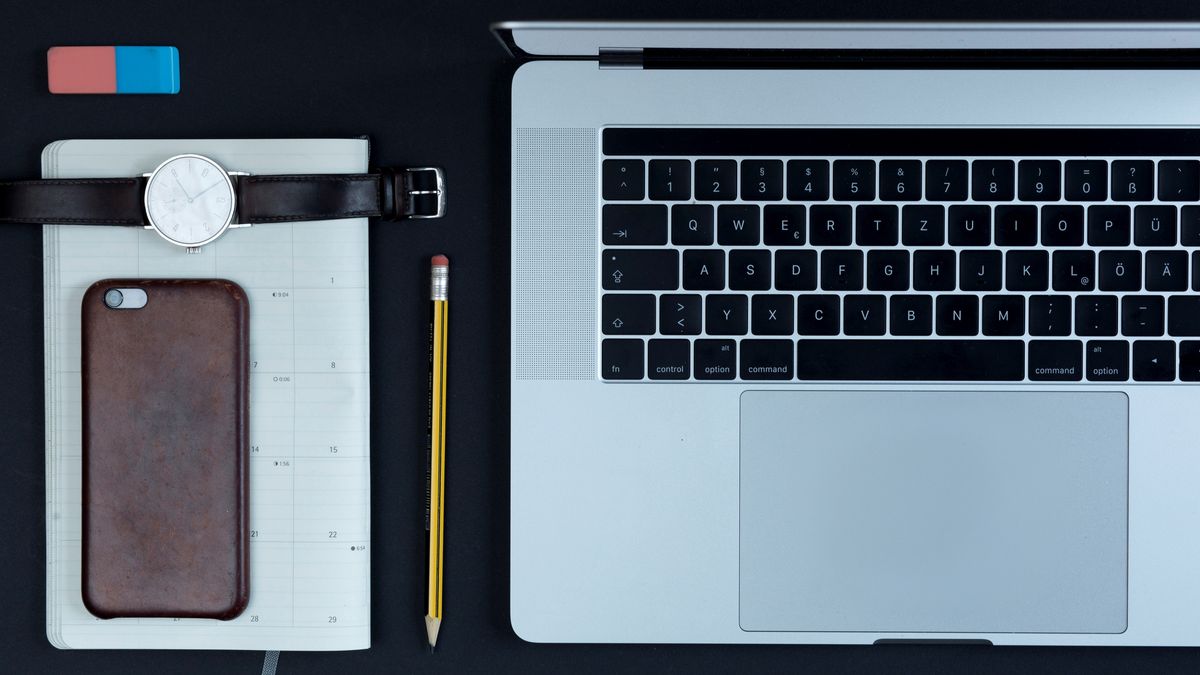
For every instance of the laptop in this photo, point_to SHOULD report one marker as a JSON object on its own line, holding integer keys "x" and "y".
{"x": 855, "y": 333}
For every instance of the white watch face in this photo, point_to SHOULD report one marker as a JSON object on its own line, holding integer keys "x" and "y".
{"x": 189, "y": 200}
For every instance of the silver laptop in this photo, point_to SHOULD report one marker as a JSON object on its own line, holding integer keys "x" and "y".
{"x": 856, "y": 333}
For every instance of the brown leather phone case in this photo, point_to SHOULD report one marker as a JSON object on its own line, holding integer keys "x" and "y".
{"x": 165, "y": 450}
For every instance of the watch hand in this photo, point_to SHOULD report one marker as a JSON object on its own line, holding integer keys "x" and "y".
{"x": 183, "y": 189}
{"x": 206, "y": 189}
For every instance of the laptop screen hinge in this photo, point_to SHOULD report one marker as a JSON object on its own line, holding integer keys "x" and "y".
{"x": 620, "y": 58}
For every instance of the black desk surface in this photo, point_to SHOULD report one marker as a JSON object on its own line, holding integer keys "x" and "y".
{"x": 429, "y": 84}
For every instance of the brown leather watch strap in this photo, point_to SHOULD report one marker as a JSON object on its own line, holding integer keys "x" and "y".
{"x": 284, "y": 198}
{"x": 84, "y": 201}
{"x": 391, "y": 194}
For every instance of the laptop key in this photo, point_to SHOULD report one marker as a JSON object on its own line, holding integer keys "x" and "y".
{"x": 900, "y": 180}
{"x": 1179, "y": 180}
{"x": 957, "y": 315}
{"x": 887, "y": 270}
{"x": 916, "y": 360}
{"x": 622, "y": 359}
{"x": 1142, "y": 315}
{"x": 750, "y": 270}
{"x": 1038, "y": 180}
{"x": 1086, "y": 180}
{"x": 1108, "y": 225}
{"x": 830, "y": 225}
{"x": 1107, "y": 360}
{"x": 623, "y": 179}
{"x": 640, "y": 269}
{"x": 818, "y": 315}
{"x": 1120, "y": 271}
{"x": 1027, "y": 270}
{"x": 864, "y": 314}
{"x": 772, "y": 315}
{"x": 669, "y": 359}
{"x": 1004, "y": 315}
{"x": 970, "y": 225}
{"x": 1132, "y": 180}
{"x": 783, "y": 225}
{"x": 1189, "y": 361}
{"x": 634, "y": 224}
{"x": 1154, "y": 361}
{"x": 911, "y": 315}
{"x": 795, "y": 270}
{"x": 1050, "y": 315}
{"x": 679, "y": 314}
{"x": 1096, "y": 315}
{"x": 1062, "y": 225}
{"x": 933, "y": 270}
{"x": 627, "y": 314}
{"x": 704, "y": 270}
{"x": 1183, "y": 315}
{"x": 980, "y": 270}
{"x": 1166, "y": 271}
{"x": 1074, "y": 271}
{"x": 714, "y": 359}
{"x": 992, "y": 180}
{"x": 767, "y": 359}
{"x": 762, "y": 180}
{"x": 876, "y": 225}
{"x": 725, "y": 314}
{"x": 808, "y": 180}
{"x": 1056, "y": 360}
{"x": 692, "y": 225}
{"x": 1154, "y": 226}
{"x": 1016, "y": 225}
{"x": 923, "y": 225}
{"x": 737, "y": 225}
{"x": 1189, "y": 226}
{"x": 841, "y": 270}
{"x": 854, "y": 180}
{"x": 716, "y": 180}
{"x": 946, "y": 180}
{"x": 670, "y": 179}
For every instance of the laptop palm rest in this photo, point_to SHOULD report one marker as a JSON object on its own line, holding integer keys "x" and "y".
{"x": 949, "y": 512}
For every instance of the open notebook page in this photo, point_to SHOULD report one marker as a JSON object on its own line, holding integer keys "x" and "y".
{"x": 309, "y": 408}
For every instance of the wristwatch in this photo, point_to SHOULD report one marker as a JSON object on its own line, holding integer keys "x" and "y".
{"x": 190, "y": 200}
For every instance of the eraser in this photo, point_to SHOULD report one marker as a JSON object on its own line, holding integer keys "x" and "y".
{"x": 113, "y": 70}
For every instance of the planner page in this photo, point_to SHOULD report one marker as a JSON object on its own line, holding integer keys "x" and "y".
{"x": 309, "y": 408}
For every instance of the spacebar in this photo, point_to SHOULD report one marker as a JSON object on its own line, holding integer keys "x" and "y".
{"x": 910, "y": 360}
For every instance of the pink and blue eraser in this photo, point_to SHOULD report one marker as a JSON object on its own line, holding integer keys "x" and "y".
{"x": 113, "y": 70}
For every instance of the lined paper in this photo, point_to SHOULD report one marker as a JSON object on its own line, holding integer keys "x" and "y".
{"x": 309, "y": 407}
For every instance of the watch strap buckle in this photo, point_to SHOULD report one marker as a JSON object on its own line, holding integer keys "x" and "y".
{"x": 415, "y": 192}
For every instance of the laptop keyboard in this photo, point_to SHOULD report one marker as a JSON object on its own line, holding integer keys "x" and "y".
{"x": 944, "y": 255}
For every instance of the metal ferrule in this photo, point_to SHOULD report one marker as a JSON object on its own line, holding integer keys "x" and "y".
{"x": 439, "y": 283}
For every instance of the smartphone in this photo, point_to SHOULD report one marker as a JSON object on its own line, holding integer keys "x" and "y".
{"x": 164, "y": 372}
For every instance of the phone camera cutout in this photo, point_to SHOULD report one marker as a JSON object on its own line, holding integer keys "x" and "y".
{"x": 125, "y": 298}
{"x": 113, "y": 298}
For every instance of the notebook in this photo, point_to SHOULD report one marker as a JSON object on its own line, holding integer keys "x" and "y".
{"x": 309, "y": 410}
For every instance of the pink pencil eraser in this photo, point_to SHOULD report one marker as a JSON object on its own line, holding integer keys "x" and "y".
{"x": 82, "y": 70}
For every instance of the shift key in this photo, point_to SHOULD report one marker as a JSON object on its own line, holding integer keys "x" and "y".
{"x": 640, "y": 269}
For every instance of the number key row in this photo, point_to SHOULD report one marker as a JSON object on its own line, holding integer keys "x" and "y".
{"x": 985, "y": 180}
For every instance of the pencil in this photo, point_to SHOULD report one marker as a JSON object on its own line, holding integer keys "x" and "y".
{"x": 439, "y": 283}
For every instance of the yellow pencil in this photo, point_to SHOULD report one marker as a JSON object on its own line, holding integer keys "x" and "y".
{"x": 439, "y": 283}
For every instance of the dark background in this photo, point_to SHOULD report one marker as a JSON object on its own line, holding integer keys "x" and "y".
{"x": 428, "y": 83}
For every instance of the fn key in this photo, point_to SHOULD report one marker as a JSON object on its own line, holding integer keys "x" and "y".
{"x": 621, "y": 360}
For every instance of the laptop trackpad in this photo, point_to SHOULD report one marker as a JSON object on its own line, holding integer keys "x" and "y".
{"x": 933, "y": 512}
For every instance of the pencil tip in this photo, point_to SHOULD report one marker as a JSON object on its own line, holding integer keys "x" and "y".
{"x": 432, "y": 626}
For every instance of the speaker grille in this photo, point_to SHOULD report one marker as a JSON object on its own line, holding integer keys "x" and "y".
{"x": 554, "y": 254}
